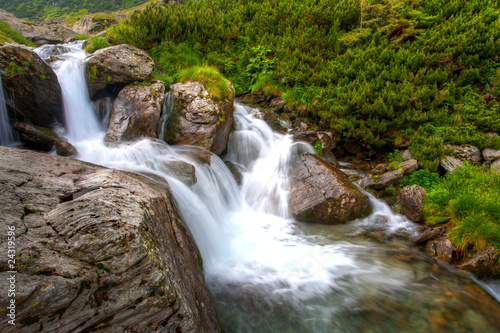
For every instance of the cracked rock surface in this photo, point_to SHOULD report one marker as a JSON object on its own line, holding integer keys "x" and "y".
{"x": 96, "y": 250}
{"x": 322, "y": 193}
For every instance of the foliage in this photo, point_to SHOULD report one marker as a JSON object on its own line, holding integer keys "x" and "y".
{"x": 422, "y": 177}
{"x": 394, "y": 158}
{"x": 468, "y": 198}
{"x": 427, "y": 147}
{"x": 96, "y": 43}
{"x": 9, "y": 35}
{"x": 217, "y": 86}
{"x": 39, "y": 9}
{"x": 318, "y": 147}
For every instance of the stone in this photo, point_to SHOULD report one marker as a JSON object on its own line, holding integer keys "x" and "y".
{"x": 495, "y": 166}
{"x": 182, "y": 171}
{"x": 406, "y": 155}
{"x": 322, "y": 193}
{"x": 272, "y": 119}
{"x": 491, "y": 154}
{"x": 441, "y": 249}
{"x": 91, "y": 25}
{"x": 197, "y": 119}
{"x": 484, "y": 263}
{"x": 236, "y": 171}
{"x": 381, "y": 182}
{"x": 427, "y": 235}
{"x": 450, "y": 163}
{"x": 306, "y": 136}
{"x": 136, "y": 112}
{"x": 467, "y": 153}
{"x": 409, "y": 166}
{"x": 32, "y": 91}
{"x": 109, "y": 69}
{"x": 98, "y": 250}
{"x": 412, "y": 202}
{"x": 40, "y": 138}
{"x": 379, "y": 169}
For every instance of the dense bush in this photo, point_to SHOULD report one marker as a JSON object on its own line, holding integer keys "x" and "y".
{"x": 96, "y": 43}
{"x": 468, "y": 198}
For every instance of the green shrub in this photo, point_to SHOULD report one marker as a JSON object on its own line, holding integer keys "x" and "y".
{"x": 427, "y": 147}
{"x": 422, "y": 177}
{"x": 318, "y": 147}
{"x": 217, "y": 86}
{"x": 96, "y": 43}
{"x": 9, "y": 35}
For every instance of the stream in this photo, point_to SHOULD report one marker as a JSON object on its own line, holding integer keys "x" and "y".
{"x": 264, "y": 271}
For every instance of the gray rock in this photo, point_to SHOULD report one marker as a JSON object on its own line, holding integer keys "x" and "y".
{"x": 409, "y": 166}
{"x": 406, "y": 155}
{"x": 91, "y": 25}
{"x": 495, "y": 166}
{"x": 483, "y": 264}
{"x": 182, "y": 171}
{"x": 441, "y": 249}
{"x": 322, "y": 193}
{"x": 197, "y": 119}
{"x": 136, "y": 112}
{"x": 383, "y": 181}
{"x": 450, "y": 163}
{"x": 98, "y": 250}
{"x": 110, "y": 69}
{"x": 40, "y": 138}
{"x": 33, "y": 94}
{"x": 412, "y": 202}
{"x": 467, "y": 153}
{"x": 491, "y": 154}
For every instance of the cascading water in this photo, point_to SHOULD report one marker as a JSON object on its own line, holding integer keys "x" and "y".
{"x": 266, "y": 272}
{"x": 7, "y": 135}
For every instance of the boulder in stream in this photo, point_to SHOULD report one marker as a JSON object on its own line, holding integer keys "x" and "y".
{"x": 383, "y": 181}
{"x": 136, "y": 112}
{"x": 321, "y": 193}
{"x": 412, "y": 201}
{"x": 40, "y": 138}
{"x": 97, "y": 250}
{"x": 32, "y": 91}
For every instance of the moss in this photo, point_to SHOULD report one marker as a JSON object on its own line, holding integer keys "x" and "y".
{"x": 92, "y": 73}
{"x": 42, "y": 77}
{"x": 216, "y": 85}
{"x": 14, "y": 69}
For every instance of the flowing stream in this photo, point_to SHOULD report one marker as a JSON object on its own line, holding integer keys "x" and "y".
{"x": 265, "y": 271}
{"x": 8, "y": 137}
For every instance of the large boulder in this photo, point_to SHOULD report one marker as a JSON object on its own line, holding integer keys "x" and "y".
{"x": 96, "y": 250}
{"x": 484, "y": 263}
{"x": 91, "y": 25}
{"x": 40, "y": 138}
{"x": 136, "y": 112}
{"x": 197, "y": 119}
{"x": 450, "y": 163}
{"x": 108, "y": 70}
{"x": 322, "y": 193}
{"x": 491, "y": 154}
{"x": 38, "y": 33}
{"x": 383, "y": 181}
{"x": 467, "y": 153}
{"x": 441, "y": 249}
{"x": 412, "y": 202}
{"x": 33, "y": 94}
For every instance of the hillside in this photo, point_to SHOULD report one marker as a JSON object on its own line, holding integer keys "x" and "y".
{"x": 39, "y": 10}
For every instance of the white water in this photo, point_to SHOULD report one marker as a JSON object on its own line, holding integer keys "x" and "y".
{"x": 7, "y": 135}
{"x": 250, "y": 246}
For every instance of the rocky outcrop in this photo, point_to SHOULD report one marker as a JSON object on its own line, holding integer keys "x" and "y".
{"x": 483, "y": 264}
{"x": 383, "y": 181}
{"x": 91, "y": 25}
{"x": 40, "y": 138}
{"x": 409, "y": 166}
{"x": 322, "y": 193}
{"x": 467, "y": 153}
{"x": 449, "y": 163}
{"x": 38, "y": 33}
{"x": 33, "y": 94}
{"x": 491, "y": 154}
{"x": 108, "y": 70}
{"x": 441, "y": 249}
{"x": 412, "y": 202}
{"x": 97, "y": 250}
{"x": 136, "y": 112}
{"x": 197, "y": 119}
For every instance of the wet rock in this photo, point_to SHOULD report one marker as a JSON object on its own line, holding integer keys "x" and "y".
{"x": 383, "y": 181}
{"x": 483, "y": 264}
{"x": 108, "y": 70}
{"x": 426, "y": 235}
{"x": 272, "y": 119}
{"x": 40, "y": 138}
{"x": 441, "y": 249}
{"x": 306, "y": 136}
{"x": 98, "y": 250}
{"x": 181, "y": 170}
{"x": 136, "y": 112}
{"x": 406, "y": 155}
{"x": 409, "y": 166}
{"x": 467, "y": 153}
{"x": 450, "y": 163}
{"x": 495, "y": 166}
{"x": 412, "y": 202}
{"x": 491, "y": 154}
{"x": 235, "y": 171}
{"x": 379, "y": 169}
{"x": 322, "y": 193}
{"x": 33, "y": 94}
{"x": 197, "y": 119}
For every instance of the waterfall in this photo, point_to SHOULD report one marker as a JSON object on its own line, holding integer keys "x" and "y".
{"x": 167, "y": 109}
{"x": 7, "y": 135}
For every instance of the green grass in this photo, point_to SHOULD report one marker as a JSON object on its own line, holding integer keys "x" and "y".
{"x": 217, "y": 86}
{"x": 96, "y": 43}
{"x": 9, "y": 35}
{"x": 468, "y": 199}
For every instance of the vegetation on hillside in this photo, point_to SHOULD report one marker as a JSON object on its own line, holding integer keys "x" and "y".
{"x": 375, "y": 70}
{"x": 9, "y": 35}
{"x": 40, "y": 9}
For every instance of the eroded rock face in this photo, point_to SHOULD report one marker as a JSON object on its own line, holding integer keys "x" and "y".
{"x": 98, "y": 250}
{"x": 136, "y": 112}
{"x": 197, "y": 119}
{"x": 321, "y": 193}
{"x": 33, "y": 94}
{"x": 412, "y": 202}
{"x": 108, "y": 70}
{"x": 40, "y": 138}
